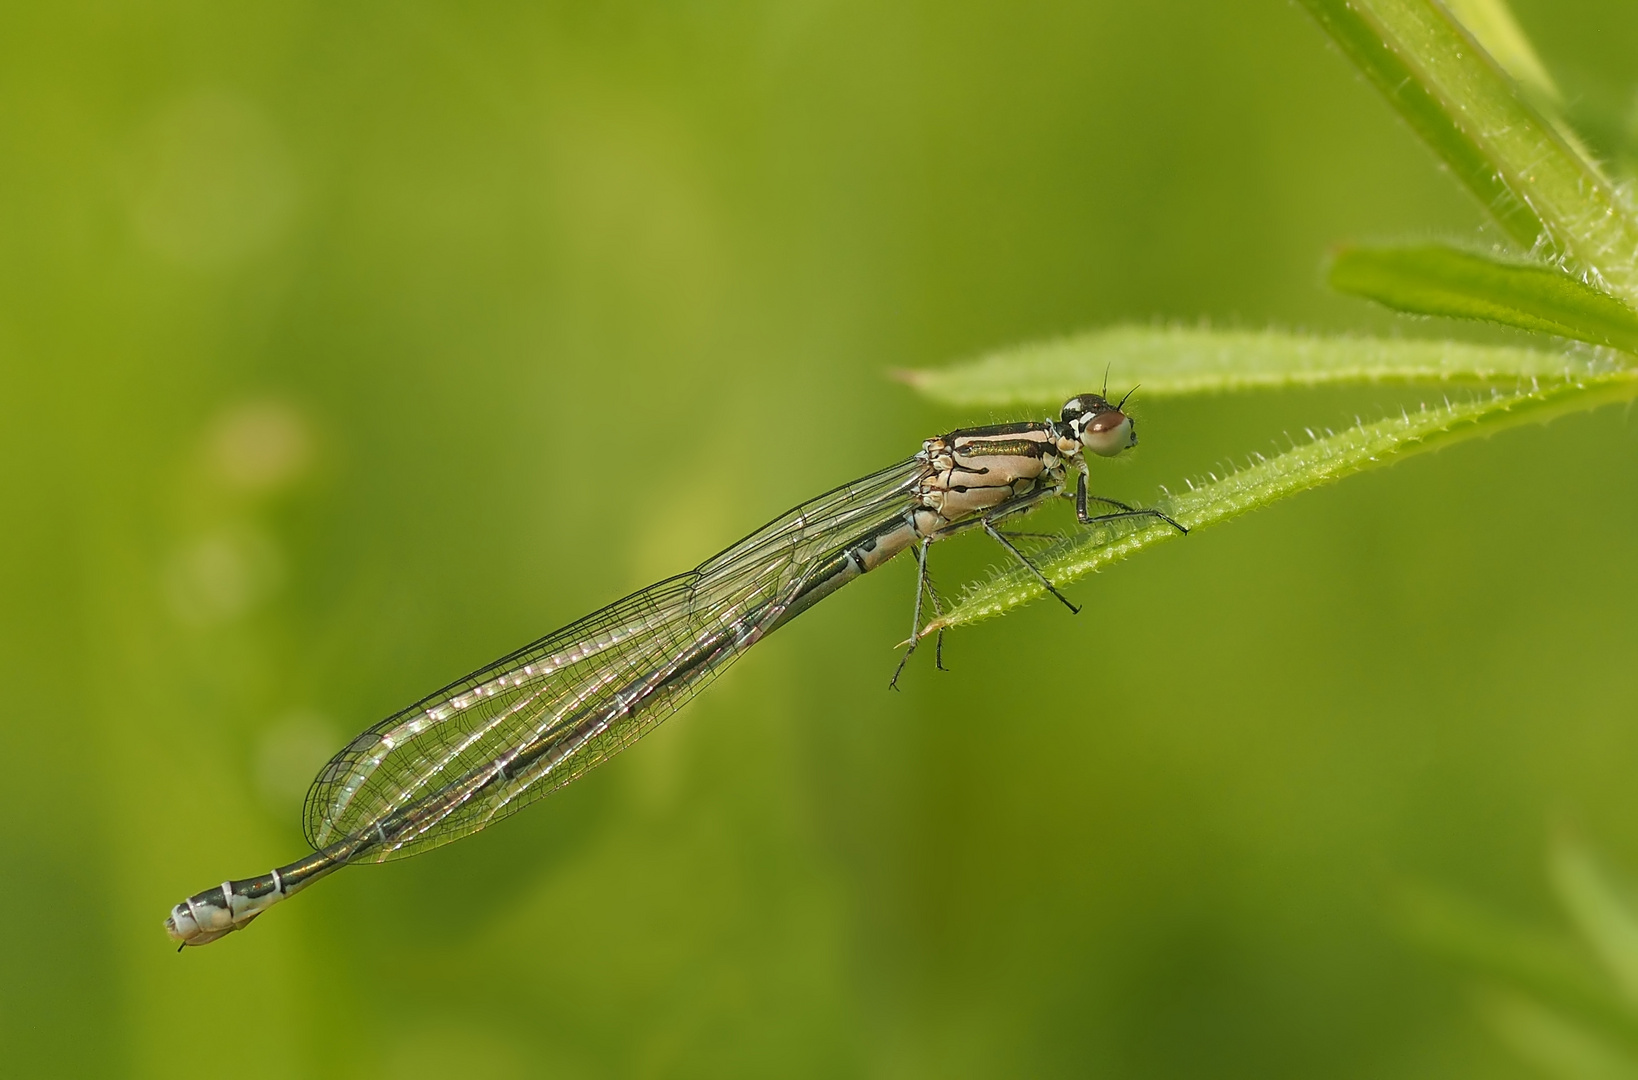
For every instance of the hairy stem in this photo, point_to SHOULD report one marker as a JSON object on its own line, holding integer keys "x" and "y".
{"x": 1548, "y": 197}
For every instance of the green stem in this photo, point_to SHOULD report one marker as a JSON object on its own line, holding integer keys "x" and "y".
{"x": 1544, "y": 194}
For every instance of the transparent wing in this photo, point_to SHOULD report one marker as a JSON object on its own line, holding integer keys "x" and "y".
{"x": 489, "y": 744}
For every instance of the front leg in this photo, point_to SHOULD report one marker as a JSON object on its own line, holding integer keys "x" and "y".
{"x": 1122, "y": 511}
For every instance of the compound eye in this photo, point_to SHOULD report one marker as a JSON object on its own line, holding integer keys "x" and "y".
{"x": 1108, "y": 433}
{"x": 1078, "y": 406}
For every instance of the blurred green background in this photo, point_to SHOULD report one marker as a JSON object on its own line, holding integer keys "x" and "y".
{"x": 344, "y": 347}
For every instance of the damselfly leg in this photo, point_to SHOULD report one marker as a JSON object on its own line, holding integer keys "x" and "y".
{"x": 1017, "y": 505}
{"x": 1001, "y": 539}
{"x": 1010, "y": 508}
{"x": 938, "y": 613}
{"x": 922, "y": 586}
{"x": 1082, "y": 497}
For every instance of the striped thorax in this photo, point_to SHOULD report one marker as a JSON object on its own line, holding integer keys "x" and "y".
{"x": 977, "y": 471}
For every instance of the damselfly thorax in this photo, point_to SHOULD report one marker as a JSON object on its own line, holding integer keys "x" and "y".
{"x": 489, "y": 744}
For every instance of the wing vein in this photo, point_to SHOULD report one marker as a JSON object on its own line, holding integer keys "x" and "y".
{"x": 444, "y": 767}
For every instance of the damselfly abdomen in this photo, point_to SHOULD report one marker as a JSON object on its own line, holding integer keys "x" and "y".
{"x": 483, "y": 747}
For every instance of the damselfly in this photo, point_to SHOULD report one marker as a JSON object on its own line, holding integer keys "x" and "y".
{"x": 483, "y": 747}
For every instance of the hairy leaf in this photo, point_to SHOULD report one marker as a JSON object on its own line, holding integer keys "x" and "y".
{"x": 1322, "y": 460}
{"x": 1434, "y": 279}
{"x": 1174, "y": 361}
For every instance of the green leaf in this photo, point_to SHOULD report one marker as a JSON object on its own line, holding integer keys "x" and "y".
{"x": 1546, "y": 196}
{"x": 1173, "y": 361}
{"x": 1433, "y": 279}
{"x": 1320, "y": 461}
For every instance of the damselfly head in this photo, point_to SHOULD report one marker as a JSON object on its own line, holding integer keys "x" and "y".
{"x": 1101, "y": 427}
